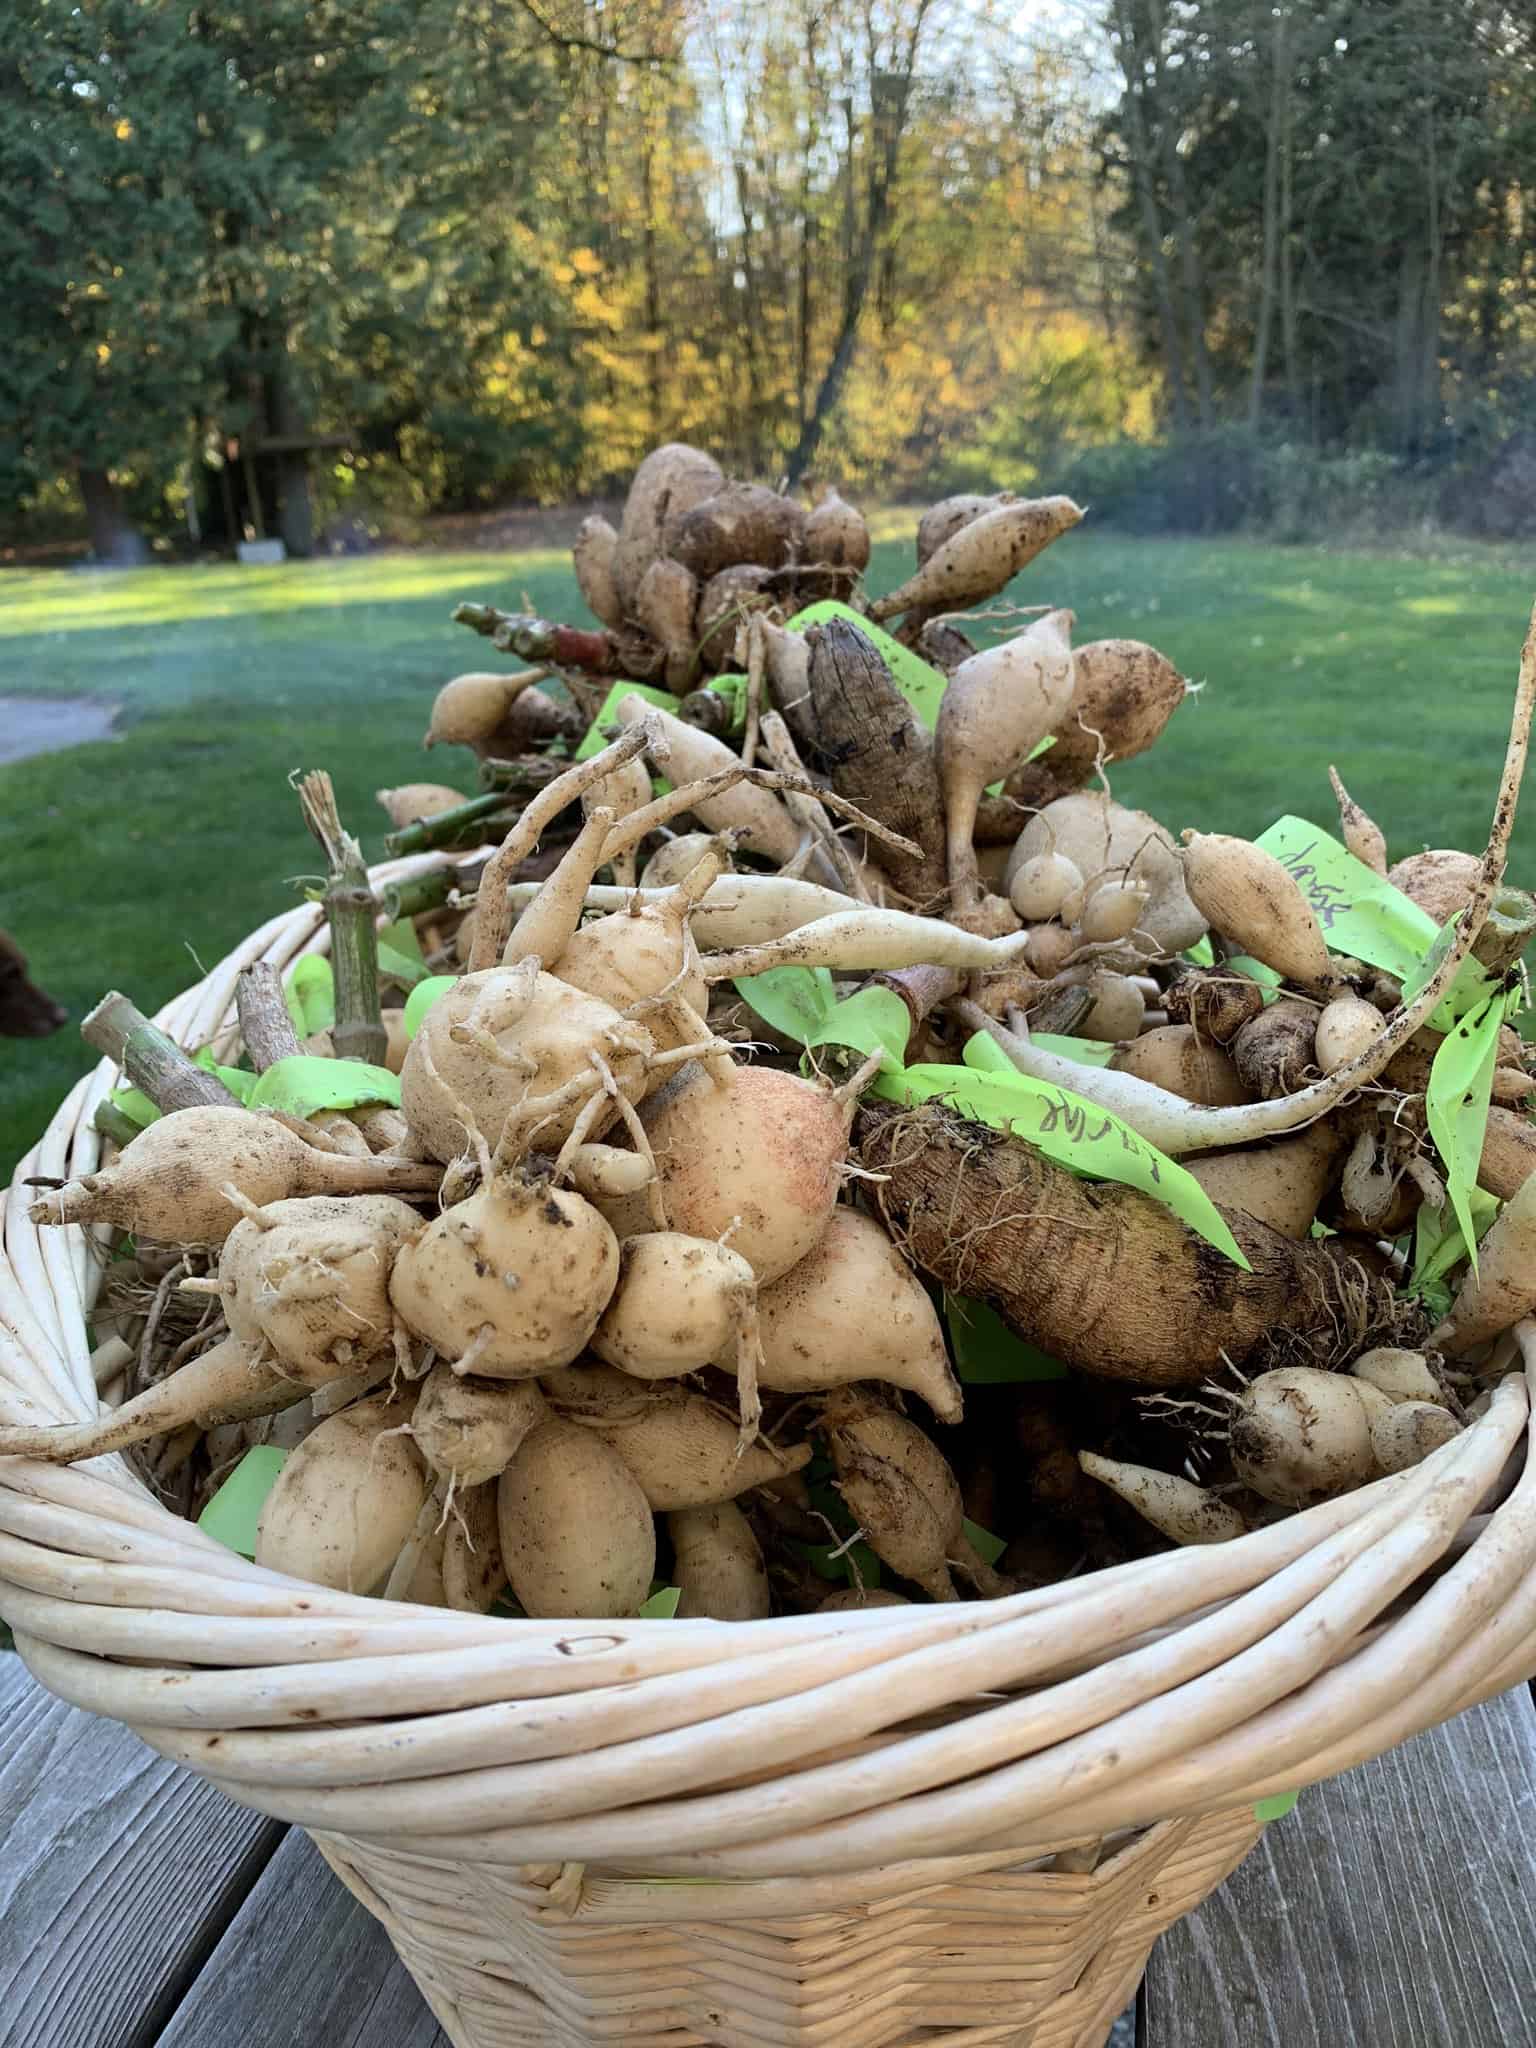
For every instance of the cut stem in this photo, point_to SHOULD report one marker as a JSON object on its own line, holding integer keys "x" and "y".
{"x": 540, "y": 640}
{"x": 466, "y": 824}
{"x": 115, "y": 1124}
{"x": 266, "y": 1029}
{"x": 527, "y": 773}
{"x": 350, "y": 908}
{"x": 152, "y": 1061}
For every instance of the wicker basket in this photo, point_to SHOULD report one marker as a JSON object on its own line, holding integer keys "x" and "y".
{"x": 961, "y": 1824}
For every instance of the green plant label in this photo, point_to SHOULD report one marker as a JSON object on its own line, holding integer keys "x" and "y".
{"x": 239, "y": 1083}
{"x": 230, "y": 1517}
{"x": 986, "y": 1351}
{"x": 794, "y": 1000}
{"x": 843, "y": 1565}
{"x": 1071, "y": 1131}
{"x": 1075, "y": 1133}
{"x": 662, "y": 1605}
{"x": 400, "y": 953}
{"x": 311, "y": 995}
{"x": 135, "y": 1105}
{"x": 873, "y": 1020}
{"x": 734, "y": 690}
{"x": 304, "y": 1082}
{"x": 1439, "y": 1246}
{"x": 422, "y": 997}
{"x": 594, "y": 742}
{"x": 1456, "y": 1103}
{"x": 1275, "y": 1807}
{"x": 1360, "y": 912}
{"x": 802, "y": 1003}
{"x": 988, "y": 1548}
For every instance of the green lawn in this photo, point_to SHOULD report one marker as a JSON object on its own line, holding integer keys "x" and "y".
{"x": 130, "y": 863}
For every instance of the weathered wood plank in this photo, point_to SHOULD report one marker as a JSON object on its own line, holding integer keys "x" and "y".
{"x": 303, "y": 1965}
{"x": 1392, "y": 1909}
{"x": 118, "y": 1875}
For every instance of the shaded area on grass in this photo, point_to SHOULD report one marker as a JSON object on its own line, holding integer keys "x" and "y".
{"x": 138, "y": 863}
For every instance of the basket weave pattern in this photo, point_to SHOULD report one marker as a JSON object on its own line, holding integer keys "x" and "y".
{"x": 957, "y": 1824}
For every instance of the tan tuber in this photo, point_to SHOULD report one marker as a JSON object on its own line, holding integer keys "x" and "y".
{"x": 717, "y": 1564}
{"x": 577, "y": 1539}
{"x": 170, "y": 1182}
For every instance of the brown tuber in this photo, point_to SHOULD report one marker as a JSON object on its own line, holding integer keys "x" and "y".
{"x": 1088, "y": 1272}
{"x": 981, "y": 559}
{"x": 739, "y": 523}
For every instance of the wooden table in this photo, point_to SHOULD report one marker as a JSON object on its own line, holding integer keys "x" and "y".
{"x": 1396, "y": 1908}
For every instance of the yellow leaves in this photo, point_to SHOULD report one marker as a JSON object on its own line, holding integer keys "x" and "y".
{"x": 123, "y": 131}
{"x": 585, "y": 263}
{"x": 596, "y": 309}
{"x": 103, "y": 352}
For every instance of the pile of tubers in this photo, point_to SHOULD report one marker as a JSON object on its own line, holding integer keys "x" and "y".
{"x": 627, "y": 1282}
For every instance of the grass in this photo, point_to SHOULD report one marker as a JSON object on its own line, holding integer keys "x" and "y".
{"x": 137, "y": 862}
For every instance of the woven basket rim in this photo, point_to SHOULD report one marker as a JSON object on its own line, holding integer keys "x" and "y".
{"x": 1180, "y": 1685}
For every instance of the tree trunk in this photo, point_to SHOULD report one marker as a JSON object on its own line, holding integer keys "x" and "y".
{"x": 1428, "y": 383}
{"x": 295, "y": 508}
{"x": 1189, "y": 256}
{"x": 652, "y": 287}
{"x": 113, "y": 539}
{"x": 1266, "y": 314}
{"x": 887, "y": 127}
{"x": 1140, "y": 143}
{"x": 1288, "y": 321}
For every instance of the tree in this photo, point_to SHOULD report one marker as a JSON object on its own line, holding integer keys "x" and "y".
{"x": 106, "y": 344}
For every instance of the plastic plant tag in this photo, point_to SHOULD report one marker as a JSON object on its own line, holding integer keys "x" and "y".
{"x": 400, "y": 953}
{"x": 401, "y": 937}
{"x": 734, "y": 690}
{"x": 135, "y": 1105}
{"x": 986, "y": 1351}
{"x": 1275, "y": 1807}
{"x": 1266, "y": 977}
{"x": 801, "y": 1002}
{"x": 794, "y": 1000}
{"x": 662, "y": 1605}
{"x": 988, "y": 1548}
{"x": 985, "y": 1056}
{"x": 1456, "y": 1104}
{"x": 230, "y": 1517}
{"x": 239, "y": 1083}
{"x": 422, "y": 997}
{"x": 594, "y": 742}
{"x": 1439, "y": 1245}
{"x": 303, "y": 1083}
{"x": 1472, "y": 986}
{"x": 1360, "y": 911}
{"x": 1071, "y": 1131}
{"x": 311, "y": 994}
{"x": 1088, "y": 1052}
{"x": 874, "y": 1020}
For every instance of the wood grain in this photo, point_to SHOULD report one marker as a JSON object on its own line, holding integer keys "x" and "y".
{"x": 1392, "y": 1909}
{"x": 303, "y": 1965}
{"x": 118, "y": 1875}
